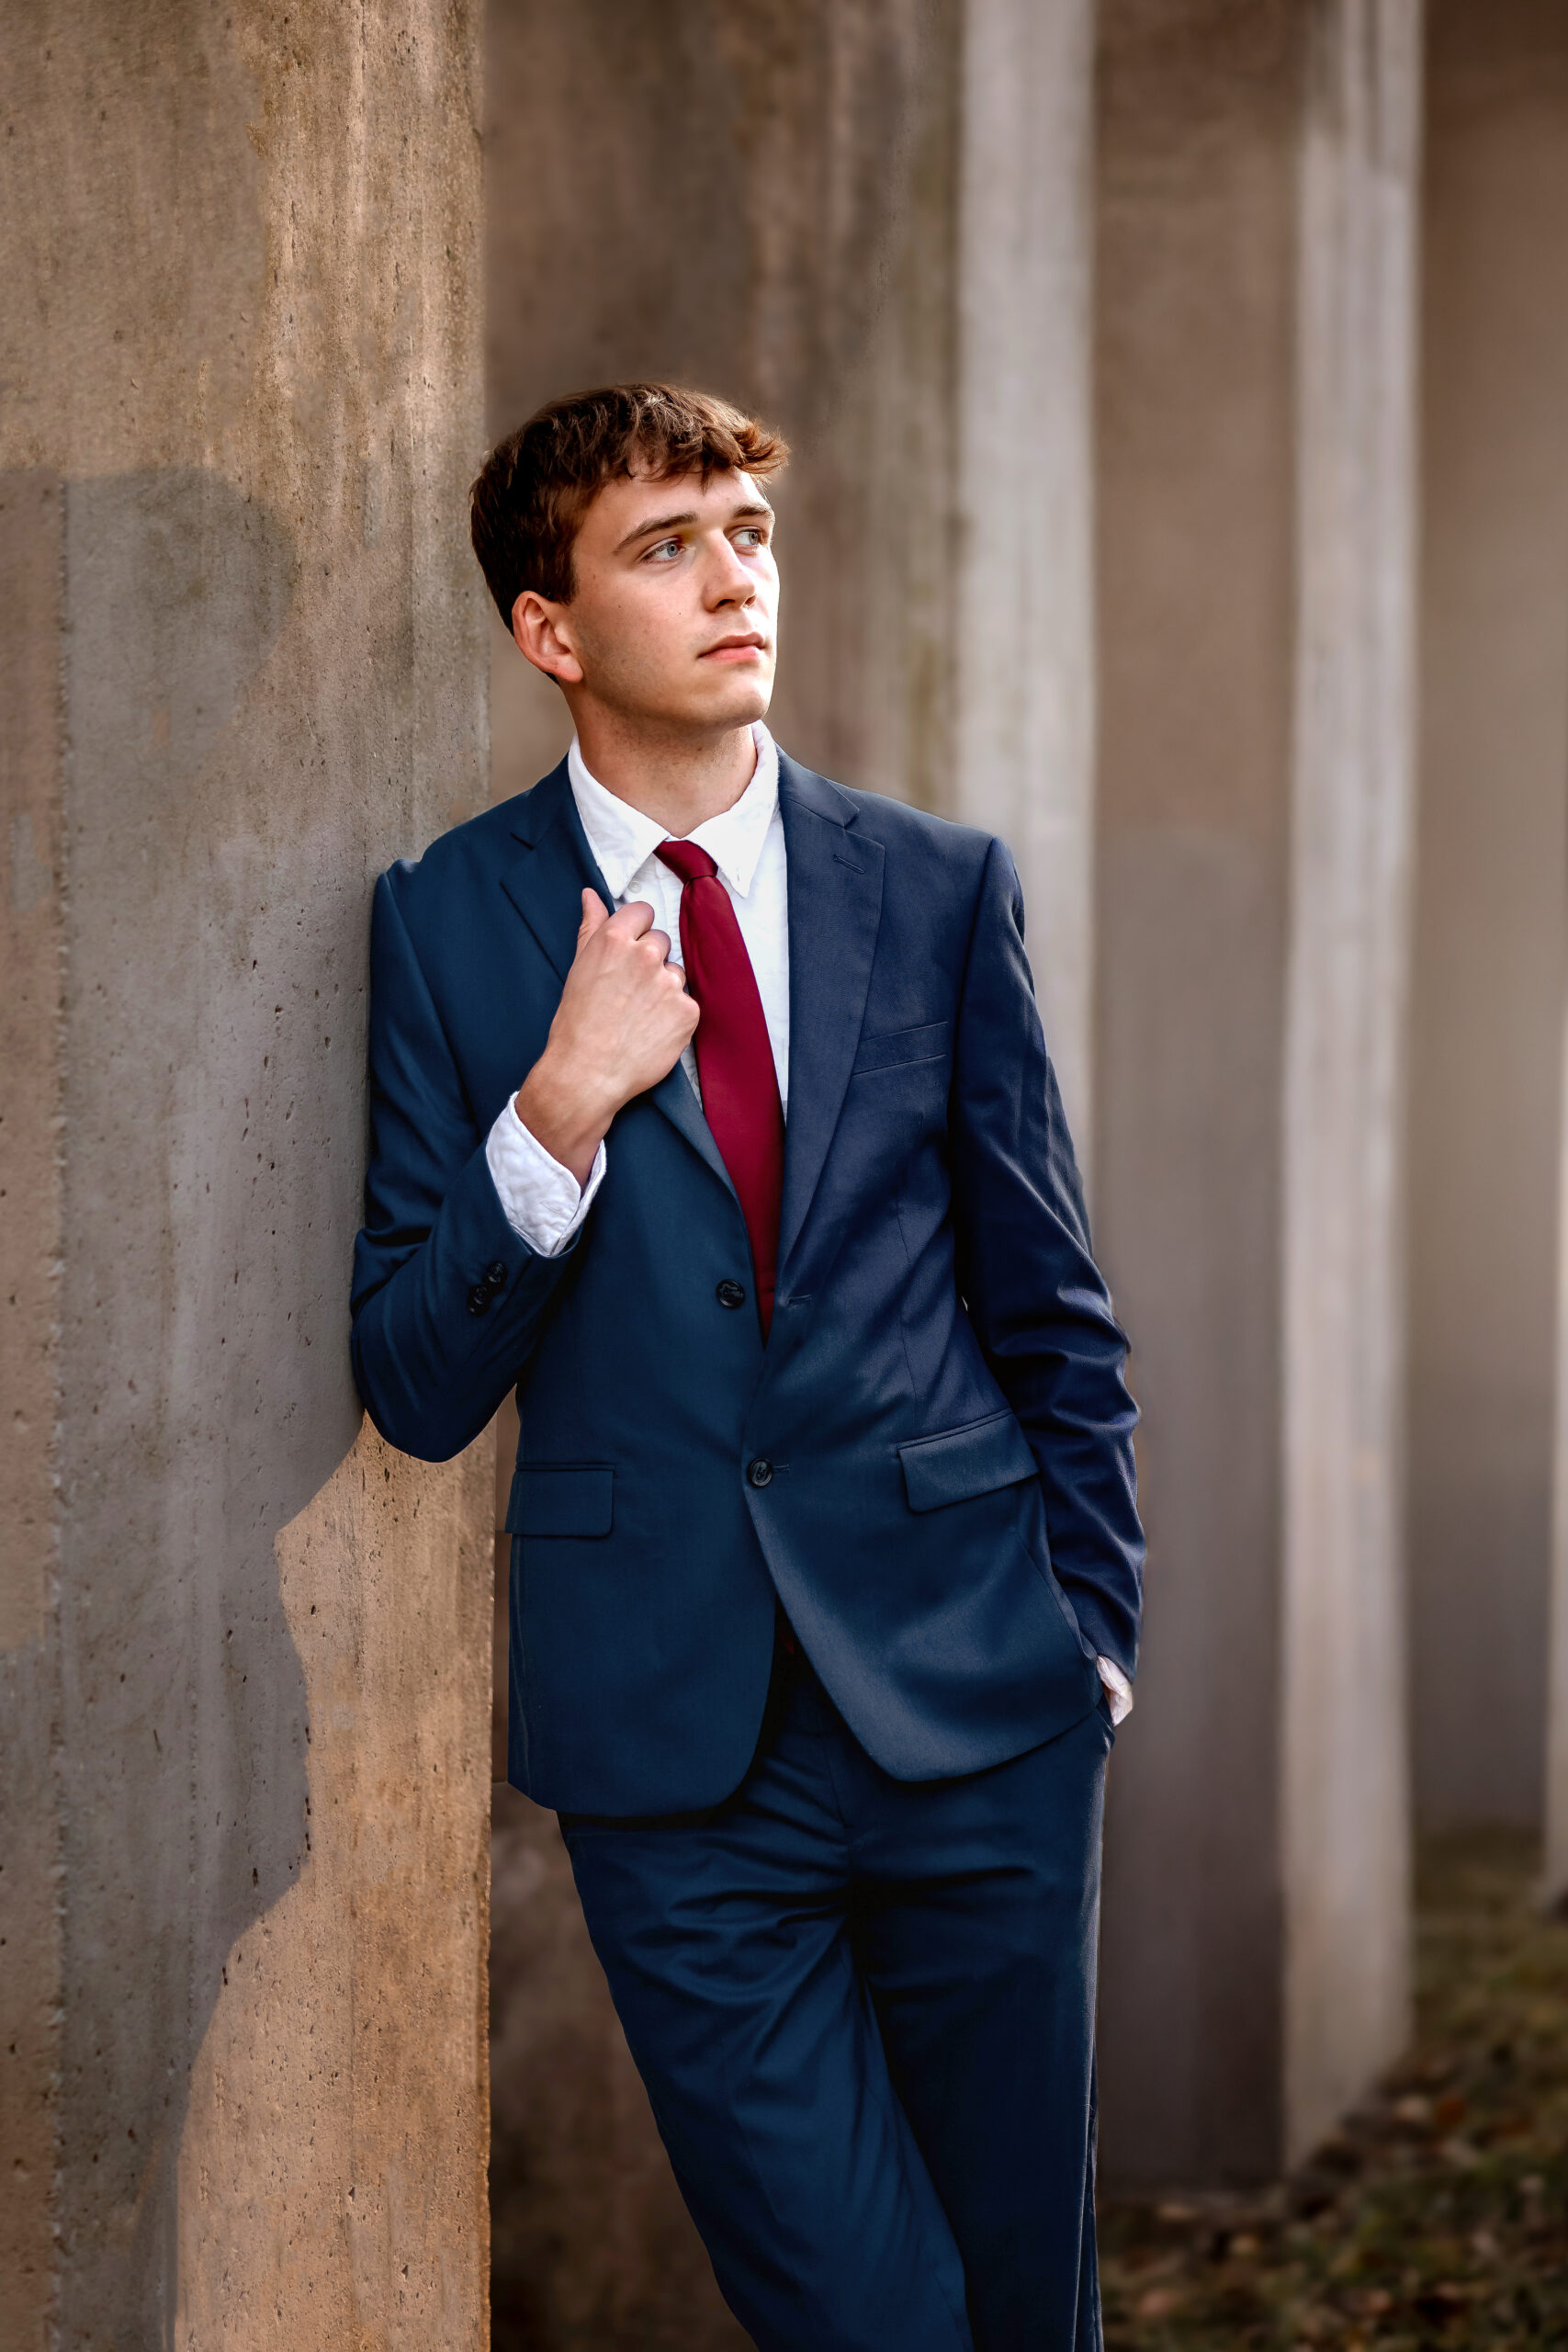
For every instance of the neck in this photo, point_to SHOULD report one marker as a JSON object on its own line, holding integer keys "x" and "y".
{"x": 678, "y": 780}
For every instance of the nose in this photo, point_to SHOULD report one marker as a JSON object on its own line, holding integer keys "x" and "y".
{"x": 729, "y": 581}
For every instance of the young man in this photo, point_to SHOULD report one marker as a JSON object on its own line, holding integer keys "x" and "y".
{"x": 826, "y": 1561}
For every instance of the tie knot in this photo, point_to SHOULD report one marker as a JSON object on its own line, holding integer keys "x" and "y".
{"x": 684, "y": 858}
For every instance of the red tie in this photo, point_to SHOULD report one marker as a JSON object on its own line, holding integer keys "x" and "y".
{"x": 735, "y": 1060}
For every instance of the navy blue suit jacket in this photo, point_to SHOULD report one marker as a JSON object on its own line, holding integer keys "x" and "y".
{"x": 930, "y": 1461}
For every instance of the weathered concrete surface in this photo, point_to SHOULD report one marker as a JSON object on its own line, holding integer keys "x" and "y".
{"x": 246, "y": 1650}
{"x": 869, "y": 222}
{"x": 1492, "y": 928}
{"x": 331, "y": 2169}
{"x": 1254, "y": 686}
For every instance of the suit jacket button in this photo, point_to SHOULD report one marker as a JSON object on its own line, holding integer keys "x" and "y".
{"x": 731, "y": 1294}
{"x": 761, "y": 1473}
{"x": 495, "y": 1275}
{"x": 479, "y": 1299}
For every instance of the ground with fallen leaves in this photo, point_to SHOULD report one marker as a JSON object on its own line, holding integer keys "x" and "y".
{"x": 1437, "y": 2218}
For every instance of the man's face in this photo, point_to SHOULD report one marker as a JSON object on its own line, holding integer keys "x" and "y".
{"x": 675, "y": 612}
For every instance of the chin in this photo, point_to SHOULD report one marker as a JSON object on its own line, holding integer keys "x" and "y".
{"x": 744, "y": 701}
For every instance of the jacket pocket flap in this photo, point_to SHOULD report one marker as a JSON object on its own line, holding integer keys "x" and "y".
{"x": 895, "y": 1046}
{"x": 552, "y": 1502}
{"x": 969, "y": 1461}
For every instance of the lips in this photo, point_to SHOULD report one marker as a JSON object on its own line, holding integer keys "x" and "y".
{"x": 751, "y": 643}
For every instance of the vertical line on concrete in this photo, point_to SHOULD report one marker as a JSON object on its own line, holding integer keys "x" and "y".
{"x": 1024, "y": 701}
{"x": 1344, "y": 1786}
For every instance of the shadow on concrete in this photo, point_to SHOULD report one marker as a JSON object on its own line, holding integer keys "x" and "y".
{"x": 206, "y": 1389}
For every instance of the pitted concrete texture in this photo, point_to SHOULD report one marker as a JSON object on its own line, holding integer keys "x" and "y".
{"x": 327, "y": 2169}
{"x": 246, "y": 1647}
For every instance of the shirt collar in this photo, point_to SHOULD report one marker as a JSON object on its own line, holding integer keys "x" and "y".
{"x": 623, "y": 840}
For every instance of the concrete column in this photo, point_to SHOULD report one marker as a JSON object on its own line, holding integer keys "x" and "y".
{"x": 1344, "y": 1795}
{"x": 1255, "y": 322}
{"x": 1023, "y": 721}
{"x": 1492, "y": 916}
{"x": 243, "y": 1649}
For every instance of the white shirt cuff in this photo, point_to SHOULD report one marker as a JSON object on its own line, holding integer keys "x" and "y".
{"x": 539, "y": 1198}
{"x": 1120, "y": 1689}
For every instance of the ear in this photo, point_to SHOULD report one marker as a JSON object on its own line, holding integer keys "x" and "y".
{"x": 543, "y": 634}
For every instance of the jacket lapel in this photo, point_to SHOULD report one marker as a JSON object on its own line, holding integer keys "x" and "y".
{"x": 674, "y": 1097}
{"x": 835, "y": 908}
{"x": 545, "y": 885}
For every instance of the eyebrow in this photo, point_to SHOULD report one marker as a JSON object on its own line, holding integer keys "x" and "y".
{"x": 675, "y": 521}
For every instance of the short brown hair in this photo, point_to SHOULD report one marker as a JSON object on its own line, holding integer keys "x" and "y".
{"x": 533, "y": 488}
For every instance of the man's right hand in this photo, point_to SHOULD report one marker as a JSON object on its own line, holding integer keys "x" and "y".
{"x": 622, "y": 1023}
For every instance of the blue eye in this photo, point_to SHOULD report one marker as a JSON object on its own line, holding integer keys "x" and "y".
{"x": 666, "y": 546}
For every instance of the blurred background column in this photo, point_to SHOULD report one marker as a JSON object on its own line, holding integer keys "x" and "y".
{"x": 1492, "y": 924}
{"x": 1345, "y": 1820}
{"x": 1023, "y": 680}
{"x": 243, "y": 1647}
{"x": 1255, "y": 350}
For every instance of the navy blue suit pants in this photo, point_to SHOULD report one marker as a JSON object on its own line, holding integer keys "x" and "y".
{"x": 863, "y": 2009}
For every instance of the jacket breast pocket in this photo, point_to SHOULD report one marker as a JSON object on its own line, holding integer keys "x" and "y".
{"x": 562, "y": 1500}
{"x": 972, "y": 1460}
{"x": 897, "y": 1047}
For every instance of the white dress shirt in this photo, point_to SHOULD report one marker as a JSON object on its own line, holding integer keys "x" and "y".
{"x": 540, "y": 1198}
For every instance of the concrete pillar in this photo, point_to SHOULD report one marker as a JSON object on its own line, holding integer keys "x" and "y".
{"x": 1491, "y": 919}
{"x": 243, "y": 1649}
{"x": 872, "y": 224}
{"x": 1255, "y": 322}
{"x": 1023, "y": 725}
{"x": 1345, "y": 1808}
